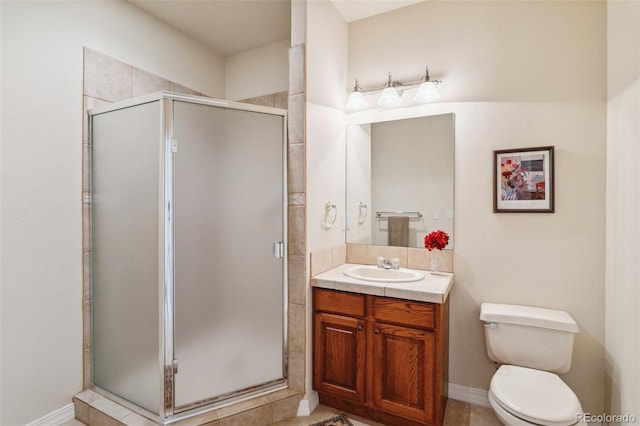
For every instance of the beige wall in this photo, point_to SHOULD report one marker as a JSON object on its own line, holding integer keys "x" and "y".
{"x": 326, "y": 49}
{"x": 623, "y": 208}
{"x": 42, "y": 65}
{"x": 487, "y": 51}
{"x": 516, "y": 74}
{"x": 257, "y": 72}
{"x": 326, "y": 60}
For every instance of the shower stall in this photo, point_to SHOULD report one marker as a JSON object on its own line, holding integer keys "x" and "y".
{"x": 188, "y": 241}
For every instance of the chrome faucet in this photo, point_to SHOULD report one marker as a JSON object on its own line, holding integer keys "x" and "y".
{"x": 388, "y": 264}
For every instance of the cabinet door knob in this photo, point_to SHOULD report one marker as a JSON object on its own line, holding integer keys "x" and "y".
{"x": 376, "y": 331}
{"x": 359, "y": 328}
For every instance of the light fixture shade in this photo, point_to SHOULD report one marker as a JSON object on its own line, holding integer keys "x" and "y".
{"x": 427, "y": 92}
{"x": 356, "y": 101}
{"x": 389, "y": 97}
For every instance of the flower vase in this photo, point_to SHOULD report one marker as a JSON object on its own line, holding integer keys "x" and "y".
{"x": 434, "y": 261}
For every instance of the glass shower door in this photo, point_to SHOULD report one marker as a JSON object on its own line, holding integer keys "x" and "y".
{"x": 125, "y": 260}
{"x": 229, "y": 326}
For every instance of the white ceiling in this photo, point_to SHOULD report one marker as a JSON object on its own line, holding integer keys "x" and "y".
{"x": 353, "y": 10}
{"x": 233, "y": 26}
{"x": 226, "y": 26}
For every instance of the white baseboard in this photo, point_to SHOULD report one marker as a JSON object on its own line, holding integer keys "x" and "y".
{"x": 57, "y": 417}
{"x": 470, "y": 395}
{"x": 306, "y": 406}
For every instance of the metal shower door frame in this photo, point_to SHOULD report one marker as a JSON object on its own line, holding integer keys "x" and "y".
{"x": 166, "y": 366}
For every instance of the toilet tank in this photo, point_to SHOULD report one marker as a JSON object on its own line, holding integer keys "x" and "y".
{"x": 529, "y": 336}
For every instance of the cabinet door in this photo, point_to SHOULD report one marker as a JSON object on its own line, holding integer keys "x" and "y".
{"x": 403, "y": 371}
{"x": 339, "y": 356}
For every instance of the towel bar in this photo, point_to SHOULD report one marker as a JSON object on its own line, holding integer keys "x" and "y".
{"x": 383, "y": 215}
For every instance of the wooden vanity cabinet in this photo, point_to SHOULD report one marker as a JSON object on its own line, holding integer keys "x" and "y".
{"x": 382, "y": 358}
{"x": 339, "y": 330}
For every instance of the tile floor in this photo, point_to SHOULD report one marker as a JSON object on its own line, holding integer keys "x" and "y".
{"x": 458, "y": 414}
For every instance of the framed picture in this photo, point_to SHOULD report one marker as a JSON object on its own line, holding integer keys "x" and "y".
{"x": 523, "y": 180}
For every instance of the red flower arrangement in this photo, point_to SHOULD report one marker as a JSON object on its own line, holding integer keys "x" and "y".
{"x": 436, "y": 240}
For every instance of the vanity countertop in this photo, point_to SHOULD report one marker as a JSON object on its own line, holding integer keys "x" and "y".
{"x": 433, "y": 288}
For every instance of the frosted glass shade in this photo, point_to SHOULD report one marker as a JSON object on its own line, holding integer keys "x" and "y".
{"x": 427, "y": 92}
{"x": 356, "y": 101}
{"x": 389, "y": 97}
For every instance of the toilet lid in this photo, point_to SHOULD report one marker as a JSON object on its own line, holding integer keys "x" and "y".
{"x": 536, "y": 396}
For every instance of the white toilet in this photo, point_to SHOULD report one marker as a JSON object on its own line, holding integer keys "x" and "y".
{"x": 531, "y": 344}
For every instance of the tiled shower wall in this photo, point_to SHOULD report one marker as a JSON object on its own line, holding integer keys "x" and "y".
{"x": 107, "y": 80}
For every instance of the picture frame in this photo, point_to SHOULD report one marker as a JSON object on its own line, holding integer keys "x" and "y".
{"x": 523, "y": 180}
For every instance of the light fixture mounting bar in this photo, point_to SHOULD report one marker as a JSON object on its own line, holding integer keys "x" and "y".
{"x": 396, "y": 84}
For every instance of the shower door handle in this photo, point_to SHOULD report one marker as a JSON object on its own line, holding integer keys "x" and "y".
{"x": 278, "y": 249}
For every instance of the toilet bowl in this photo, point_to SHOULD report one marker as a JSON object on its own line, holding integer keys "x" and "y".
{"x": 524, "y": 396}
{"x": 531, "y": 344}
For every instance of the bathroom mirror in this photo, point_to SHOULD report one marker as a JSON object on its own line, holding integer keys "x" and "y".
{"x": 395, "y": 169}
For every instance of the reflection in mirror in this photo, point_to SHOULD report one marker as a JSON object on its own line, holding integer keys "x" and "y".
{"x": 399, "y": 184}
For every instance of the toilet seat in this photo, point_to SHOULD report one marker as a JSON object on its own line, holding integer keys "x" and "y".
{"x": 535, "y": 396}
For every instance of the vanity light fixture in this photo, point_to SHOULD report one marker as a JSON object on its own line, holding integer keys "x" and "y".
{"x": 427, "y": 91}
{"x": 390, "y": 96}
{"x": 356, "y": 99}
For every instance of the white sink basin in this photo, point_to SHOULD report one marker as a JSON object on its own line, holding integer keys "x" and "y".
{"x": 373, "y": 273}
